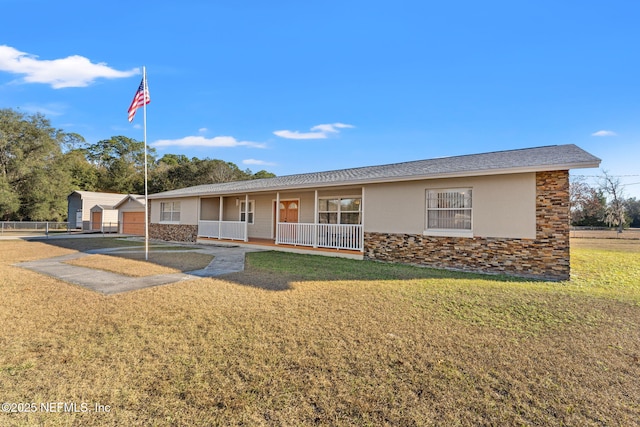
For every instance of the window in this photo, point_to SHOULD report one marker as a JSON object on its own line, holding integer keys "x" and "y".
{"x": 449, "y": 210}
{"x": 170, "y": 212}
{"x": 338, "y": 210}
{"x": 243, "y": 211}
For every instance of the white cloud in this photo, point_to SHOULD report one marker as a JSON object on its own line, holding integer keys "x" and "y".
{"x": 331, "y": 128}
{"x": 201, "y": 141}
{"x": 203, "y": 130}
{"x": 257, "y": 162}
{"x": 72, "y": 71}
{"x": 51, "y": 109}
{"x": 317, "y": 132}
{"x": 604, "y": 133}
{"x": 288, "y": 134}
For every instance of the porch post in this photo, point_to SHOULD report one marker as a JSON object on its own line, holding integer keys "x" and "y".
{"x": 315, "y": 220}
{"x": 246, "y": 217}
{"x": 220, "y": 211}
{"x": 277, "y": 214}
{"x": 362, "y": 221}
{"x": 199, "y": 217}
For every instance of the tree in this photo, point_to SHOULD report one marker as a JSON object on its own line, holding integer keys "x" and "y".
{"x": 214, "y": 171}
{"x": 9, "y": 200}
{"x": 84, "y": 175}
{"x": 177, "y": 171}
{"x": 120, "y": 164}
{"x": 587, "y": 204}
{"x": 263, "y": 174}
{"x": 33, "y": 182}
{"x": 632, "y": 207}
{"x": 614, "y": 211}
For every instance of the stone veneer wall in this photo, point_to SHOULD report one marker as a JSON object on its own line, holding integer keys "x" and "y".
{"x": 545, "y": 257}
{"x": 174, "y": 232}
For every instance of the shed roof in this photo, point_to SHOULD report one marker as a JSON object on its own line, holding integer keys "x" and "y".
{"x": 553, "y": 157}
{"x": 95, "y": 197}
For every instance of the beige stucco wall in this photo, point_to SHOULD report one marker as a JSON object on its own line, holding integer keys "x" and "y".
{"x": 131, "y": 206}
{"x": 188, "y": 210}
{"x": 503, "y": 205}
{"x": 210, "y": 208}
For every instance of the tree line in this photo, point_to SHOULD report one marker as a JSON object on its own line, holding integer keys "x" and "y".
{"x": 603, "y": 204}
{"x": 41, "y": 165}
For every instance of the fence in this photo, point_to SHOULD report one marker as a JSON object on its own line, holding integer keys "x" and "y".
{"x": 33, "y": 227}
{"x": 603, "y": 233}
{"x": 39, "y": 228}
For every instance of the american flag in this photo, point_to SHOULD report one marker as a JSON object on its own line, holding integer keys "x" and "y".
{"x": 139, "y": 99}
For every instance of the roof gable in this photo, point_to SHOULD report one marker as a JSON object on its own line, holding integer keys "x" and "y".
{"x": 135, "y": 198}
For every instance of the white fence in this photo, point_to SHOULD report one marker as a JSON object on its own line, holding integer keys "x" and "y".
{"x": 335, "y": 236}
{"x": 233, "y": 230}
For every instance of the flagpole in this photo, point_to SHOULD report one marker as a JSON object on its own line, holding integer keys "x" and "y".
{"x": 146, "y": 195}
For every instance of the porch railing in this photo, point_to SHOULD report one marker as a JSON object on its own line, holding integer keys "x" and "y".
{"x": 335, "y": 236}
{"x": 233, "y": 230}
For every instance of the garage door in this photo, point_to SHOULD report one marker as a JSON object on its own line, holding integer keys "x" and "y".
{"x": 133, "y": 223}
{"x": 96, "y": 220}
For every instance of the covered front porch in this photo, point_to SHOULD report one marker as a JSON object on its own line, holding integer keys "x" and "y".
{"x": 330, "y": 219}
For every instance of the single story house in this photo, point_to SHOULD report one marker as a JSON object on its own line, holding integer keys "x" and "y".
{"x": 131, "y": 214}
{"x": 500, "y": 212}
{"x": 79, "y": 204}
{"x": 104, "y": 218}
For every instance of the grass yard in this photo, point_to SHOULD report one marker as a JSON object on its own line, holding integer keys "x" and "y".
{"x": 310, "y": 340}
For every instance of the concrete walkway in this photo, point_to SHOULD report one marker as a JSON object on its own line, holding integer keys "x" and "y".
{"x": 226, "y": 260}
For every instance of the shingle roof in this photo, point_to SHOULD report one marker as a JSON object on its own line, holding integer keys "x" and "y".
{"x": 553, "y": 157}
{"x": 94, "y": 197}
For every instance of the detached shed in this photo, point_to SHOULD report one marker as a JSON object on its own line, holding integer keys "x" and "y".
{"x": 79, "y": 204}
{"x": 104, "y": 219}
{"x": 131, "y": 214}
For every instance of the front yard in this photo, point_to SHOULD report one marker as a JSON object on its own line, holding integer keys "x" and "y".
{"x": 309, "y": 340}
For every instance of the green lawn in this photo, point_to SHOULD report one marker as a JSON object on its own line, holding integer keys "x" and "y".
{"x": 310, "y": 340}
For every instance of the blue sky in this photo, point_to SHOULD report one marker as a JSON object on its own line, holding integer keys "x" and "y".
{"x": 301, "y": 86}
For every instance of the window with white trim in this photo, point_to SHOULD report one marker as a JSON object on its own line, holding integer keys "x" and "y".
{"x": 170, "y": 212}
{"x": 243, "y": 211}
{"x": 340, "y": 210}
{"x": 449, "y": 210}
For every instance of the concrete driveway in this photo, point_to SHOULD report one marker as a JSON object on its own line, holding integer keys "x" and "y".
{"x": 226, "y": 260}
